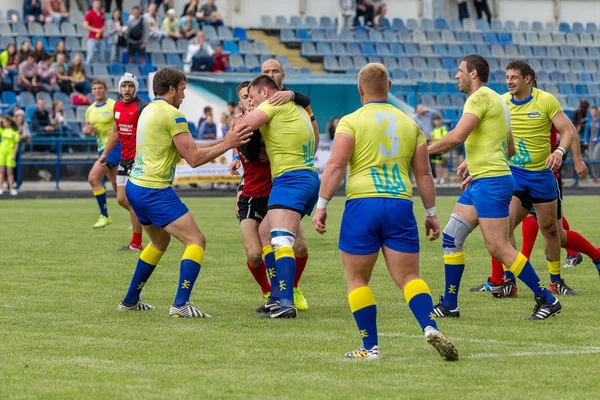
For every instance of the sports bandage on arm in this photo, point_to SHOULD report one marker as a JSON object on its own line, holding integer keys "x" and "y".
{"x": 322, "y": 202}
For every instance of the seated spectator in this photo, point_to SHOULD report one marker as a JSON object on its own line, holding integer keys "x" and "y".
{"x": 152, "y": 19}
{"x": 200, "y": 53}
{"x": 115, "y": 32}
{"x": 220, "y": 62}
{"x": 25, "y": 50}
{"x": 58, "y": 119}
{"x": 191, "y": 6}
{"x": 208, "y": 129}
{"x": 47, "y": 75}
{"x": 170, "y": 25}
{"x": 333, "y": 123}
{"x": 55, "y": 11}
{"x": 188, "y": 25}
{"x": 209, "y": 14}
{"x": 347, "y": 14}
{"x": 9, "y": 60}
{"x": 32, "y": 11}
{"x": 379, "y": 10}
{"x": 27, "y": 79}
{"x": 5, "y": 82}
{"x": 579, "y": 119}
{"x": 137, "y": 36}
{"x": 231, "y": 108}
{"x": 39, "y": 52}
{"x": 61, "y": 49}
{"x": 224, "y": 128}
{"x": 207, "y": 112}
{"x": 78, "y": 77}
{"x": 365, "y": 9}
{"x": 40, "y": 120}
{"x": 22, "y": 125}
{"x": 61, "y": 68}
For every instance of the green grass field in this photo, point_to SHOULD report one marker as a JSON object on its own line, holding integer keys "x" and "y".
{"x": 61, "y": 337}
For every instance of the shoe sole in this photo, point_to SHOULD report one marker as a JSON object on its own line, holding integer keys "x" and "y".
{"x": 368, "y": 358}
{"x": 444, "y": 346}
{"x": 502, "y": 296}
{"x": 268, "y": 316}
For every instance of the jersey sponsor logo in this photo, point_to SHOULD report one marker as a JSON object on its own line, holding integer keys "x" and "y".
{"x": 106, "y": 114}
{"x": 534, "y": 114}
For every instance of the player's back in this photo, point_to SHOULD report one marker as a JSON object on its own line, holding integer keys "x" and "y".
{"x": 101, "y": 116}
{"x": 487, "y": 145}
{"x": 385, "y": 140}
{"x": 156, "y": 154}
{"x": 289, "y": 138}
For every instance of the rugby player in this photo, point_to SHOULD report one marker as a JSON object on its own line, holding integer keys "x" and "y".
{"x": 127, "y": 114}
{"x": 381, "y": 144}
{"x": 162, "y": 136}
{"x": 99, "y": 121}
{"x": 485, "y": 129}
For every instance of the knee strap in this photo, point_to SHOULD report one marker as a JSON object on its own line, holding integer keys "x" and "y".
{"x": 282, "y": 238}
{"x": 454, "y": 235}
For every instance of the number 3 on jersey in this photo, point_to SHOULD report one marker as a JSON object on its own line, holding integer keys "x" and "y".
{"x": 383, "y": 182}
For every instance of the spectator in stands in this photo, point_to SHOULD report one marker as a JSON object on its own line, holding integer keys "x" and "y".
{"x": 333, "y": 123}
{"x": 108, "y": 3}
{"x": 170, "y": 25}
{"x": 188, "y": 25}
{"x": 9, "y": 147}
{"x": 47, "y": 75}
{"x": 208, "y": 129}
{"x": 39, "y": 52}
{"x": 58, "y": 118}
{"x": 9, "y": 60}
{"x": 95, "y": 24}
{"x": 579, "y": 119}
{"x": 40, "y": 120}
{"x": 200, "y": 53}
{"x": 55, "y": 11}
{"x": 379, "y": 10}
{"x": 22, "y": 126}
{"x": 152, "y": 19}
{"x": 61, "y": 49}
{"x": 78, "y": 77}
{"x": 191, "y": 6}
{"x": 32, "y": 11}
{"x": 224, "y": 128}
{"x": 207, "y": 112}
{"x": 438, "y": 132}
{"x": 220, "y": 63}
{"x": 209, "y": 14}
{"x": 61, "y": 68}
{"x": 463, "y": 9}
{"x": 5, "y": 81}
{"x": 25, "y": 50}
{"x": 347, "y": 14}
{"x": 238, "y": 111}
{"x": 115, "y": 34}
{"x": 231, "y": 108}
{"x": 27, "y": 75}
{"x": 482, "y": 6}
{"x": 424, "y": 118}
{"x": 136, "y": 36}
{"x": 364, "y": 9}
{"x": 592, "y": 139}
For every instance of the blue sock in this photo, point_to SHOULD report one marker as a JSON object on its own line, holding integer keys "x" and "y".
{"x": 189, "y": 269}
{"x": 510, "y": 276}
{"x": 418, "y": 298}
{"x": 286, "y": 271}
{"x": 454, "y": 266}
{"x": 101, "y": 199}
{"x": 145, "y": 266}
{"x": 364, "y": 310}
{"x": 524, "y": 270}
{"x": 269, "y": 257}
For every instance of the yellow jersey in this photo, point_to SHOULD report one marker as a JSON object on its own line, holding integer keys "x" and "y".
{"x": 487, "y": 146}
{"x": 156, "y": 154}
{"x": 8, "y": 140}
{"x": 531, "y": 122}
{"x": 385, "y": 140}
{"x": 102, "y": 118}
{"x": 289, "y": 138}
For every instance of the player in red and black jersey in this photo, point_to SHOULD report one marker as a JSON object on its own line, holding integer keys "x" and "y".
{"x": 127, "y": 113}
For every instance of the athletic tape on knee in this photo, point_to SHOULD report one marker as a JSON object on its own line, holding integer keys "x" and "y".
{"x": 454, "y": 235}
{"x": 282, "y": 238}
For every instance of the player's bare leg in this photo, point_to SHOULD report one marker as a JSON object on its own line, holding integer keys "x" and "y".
{"x": 136, "y": 226}
{"x": 95, "y": 176}
{"x": 254, "y": 254}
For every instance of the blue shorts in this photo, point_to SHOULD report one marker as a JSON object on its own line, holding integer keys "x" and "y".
{"x": 113, "y": 158}
{"x": 295, "y": 190}
{"x": 370, "y": 223}
{"x": 490, "y": 196}
{"x": 158, "y": 207}
{"x": 533, "y": 187}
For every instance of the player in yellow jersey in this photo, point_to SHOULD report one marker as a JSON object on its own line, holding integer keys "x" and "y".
{"x": 532, "y": 114}
{"x": 162, "y": 136}
{"x": 381, "y": 144}
{"x": 99, "y": 120}
{"x": 485, "y": 129}
{"x": 290, "y": 142}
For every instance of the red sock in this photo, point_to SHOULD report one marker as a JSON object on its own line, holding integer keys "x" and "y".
{"x": 580, "y": 244}
{"x": 137, "y": 238}
{"x": 300, "y": 265}
{"x": 565, "y": 224}
{"x": 529, "y": 230}
{"x": 497, "y": 272}
{"x": 260, "y": 276}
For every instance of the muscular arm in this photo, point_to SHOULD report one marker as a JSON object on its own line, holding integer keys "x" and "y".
{"x": 316, "y": 132}
{"x": 423, "y": 178}
{"x": 457, "y": 136}
{"x": 511, "y": 150}
{"x": 341, "y": 151}
{"x": 256, "y": 119}
{"x": 301, "y": 99}
{"x": 567, "y": 130}
{"x": 195, "y": 155}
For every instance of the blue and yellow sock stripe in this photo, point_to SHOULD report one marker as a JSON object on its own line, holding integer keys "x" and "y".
{"x": 151, "y": 255}
{"x": 360, "y": 298}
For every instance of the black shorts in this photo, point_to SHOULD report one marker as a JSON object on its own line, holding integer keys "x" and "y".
{"x": 134, "y": 49}
{"x": 241, "y": 185}
{"x": 559, "y": 188}
{"x": 255, "y": 208}
{"x": 123, "y": 172}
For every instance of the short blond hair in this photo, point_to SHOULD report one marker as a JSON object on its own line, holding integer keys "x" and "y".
{"x": 374, "y": 80}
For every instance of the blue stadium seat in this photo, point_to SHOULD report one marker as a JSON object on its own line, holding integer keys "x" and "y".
{"x": 498, "y": 51}
{"x": 116, "y": 69}
{"x": 305, "y": 71}
{"x": 581, "y": 52}
{"x": 469, "y": 25}
{"x": 390, "y": 62}
{"x": 413, "y": 74}
{"x": 440, "y": 50}
{"x": 399, "y": 74}
{"x": 307, "y": 49}
{"x": 374, "y": 59}
{"x": 557, "y": 76}
{"x": 331, "y": 64}
{"x": 281, "y": 21}
{"x": 477, "y": 37}
{"x": 19, "y": 29}
{"x": 577, "y": 66}
{"x": 324, "y": 49}
{"x": 62, "y": 97}
{"x": 450, "y": 114}
{"x": 398, "y": 24}
{"x": 318, "y": 35}
{"x": 326, "y": 22}
{"x": 537, "y": 26}
{"x": 229, "y": 46}
{"x": 591, "y": 27}
{"x": 338, "y": 48}
{"x": 346, "y": 63}
{"x": 361, "y": 35}
{"x": 419, "y": 63}
{"x": 385, "y": 24}
{"x": 423, "y": 88}
{"x": 441, "y": 24}
{"x": 542, "y": 76}
{"x": 590, "y": 65}
{"x": 524, "y": 26}
{"x": 427, "y": 50}
{"x": 512, "y": 51}
{"x": 303, "y": 34}
{"x": 549, "y": 65}
{"x": 35, "y": 39}
{"x": 376, "y": 36}
{"x": 51, "y": 29}
{"x": 497, "y": 26}
{"x": 540, "y": 51}
{"x": 242, "y": 69}
{"x": 458, "y": 100}
{"x": 564, "y": 27}
{"x": 483, "y": 25}
{"x": 383, "y": 49}
{"x": 252, "y": 61}
{"x": 412, "y": 49}
{"x": 594, "y": 90}
{"x": 29, "y": 110}
{"x": 434, "y": 63}
{"x": 360, "y": 61}
{"x": 565, "y": 88}
{"x": 173, "y": 59}
{"x": 469, "y": 48}
{"x": 443, "y": 101}
{"x": 496, "y": 87}
{"x": 240, "y": 33}
{"x": 456, "y": 50}
{"x": 455, "y": 25}
{"x": 46, "y": 97}
{"x": 554, "y": 52}
{"x": 246, "y": 47}
{"x": 287, "y": 36}
{"x": 436, "y": 88}
{"x": 572, "y": 77}
{"x": 353, "y": 49}
{"x": 5, "y": 41}
{"x": 147, "y": 68}
{"x": 311, "y": 22}
{"x": 412, "y": 24}
{"x": 451, "y": 88}
{"x": 578, "y": 27}
{"x": 595, "y": 51}
{"x": 490, "y": 37}
{"x": 133, "y": 69}
{"x": 158, "y": 59}
{"x": 405, "y": 63}
{"x": 296, "y": 21}
{"x": 510, "y": 26}
{"x": 462, "y": 36}
{"x": 504, "y": 38}
{"x": 449, "y": 63}
{"x": 9, "y": 97}
{"x": 35, "y": 29}
{"x": 397, "y": 49}
{"x": 568, "y": 52}
{"x": 428, "y": 100}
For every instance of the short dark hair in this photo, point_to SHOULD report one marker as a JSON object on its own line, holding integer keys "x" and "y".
{"x": 242, "y": 85}
{"x": 165, "y": 78}
{"x": 207, "y": 109}
{"x": 136, "y": 8}
{"x": 523, "y": 67}
{"x": 480, "y": 64}
{"x": 263, "y": 81}
{"x": 533, "y": 78}
{"x": 99, "y": 82}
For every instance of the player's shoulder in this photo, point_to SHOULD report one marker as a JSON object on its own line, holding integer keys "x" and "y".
{"x": 506, "y": 97}
{"x": 141, "y": 103}
{"x": 111, "y": 102}
{"x": 543, "y": 96}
